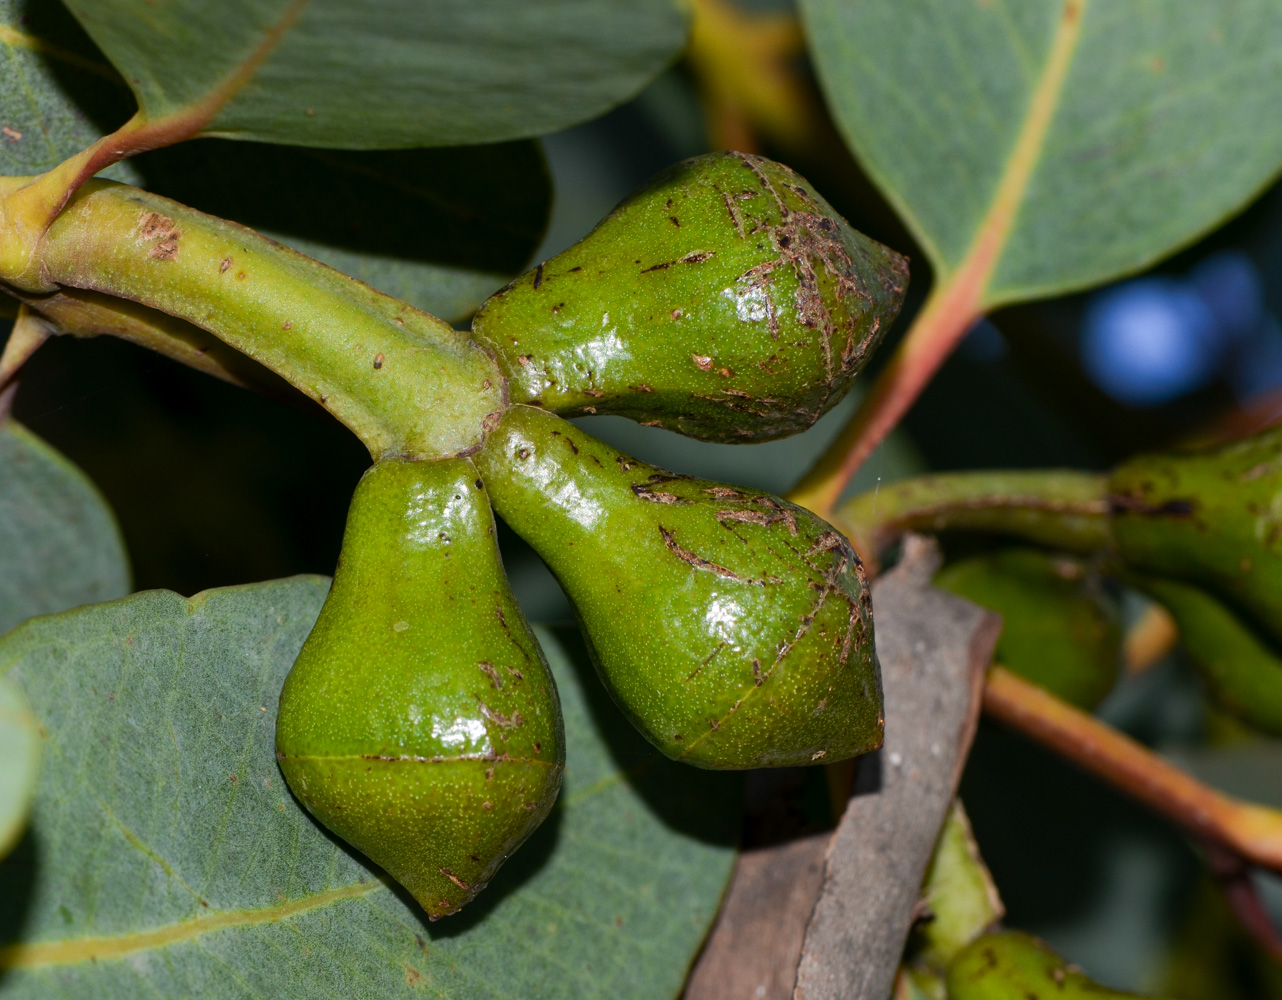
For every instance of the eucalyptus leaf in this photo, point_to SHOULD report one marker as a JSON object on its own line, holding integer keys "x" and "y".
{"x": 167, "y": 858}
{"x": 19, "y": 762}
{"x": 58, "y": 93}
{"x": 1055, "y": 144}
{"x": 441, "y": 229}
{"x": 365, "y": 74}
{"x": 59, "y": 542}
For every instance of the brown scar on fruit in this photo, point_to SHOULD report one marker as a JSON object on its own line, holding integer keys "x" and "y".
{"x": 646, "y": 492}
{"x": 499, "y": 719}
{"x": 704, "y": 662}
{"x": 574, "y": 448}
{"x": 160, "y": 228}
{"x": 698, "y": 562}
{"x": 1134, "y": 504}
{"x": 826, "y": 542}
{"x": 731, "y": 404}
{"x": 455, "y": 879}
{"x": 693, "y": 257}
{"x": 801, "y": 239}
{"x": 487, "y": 668}
{"x": 735, "y": 218}
{"x": 777, "y": 511}
{"x": 759, "y": 517}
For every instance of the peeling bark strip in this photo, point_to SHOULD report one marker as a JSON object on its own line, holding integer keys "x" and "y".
{"x": 859, "y": 886}
{"x": 752, "y": 952}
{"x": 933, "y": 649}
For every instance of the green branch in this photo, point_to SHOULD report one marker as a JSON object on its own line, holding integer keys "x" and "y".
{"x": 1067, "y": 510}
{"x": 403, "y": 381}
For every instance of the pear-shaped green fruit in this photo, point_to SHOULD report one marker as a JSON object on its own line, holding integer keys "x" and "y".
{"x": 734, "y": 629}
{"x": 725, "y": 300}
{"x": 1014, "y": 966}
{"x": 1059, "y": 629}
{"x": 1213, "y": 518}
{"x": 1242, "y": 668}
{"x": 420, "y": 722}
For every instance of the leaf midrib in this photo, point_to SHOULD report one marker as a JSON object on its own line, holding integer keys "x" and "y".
{"x": 43, "y": 954}
{"x": 981, "y": 258}
{"x": 21, "y": 40}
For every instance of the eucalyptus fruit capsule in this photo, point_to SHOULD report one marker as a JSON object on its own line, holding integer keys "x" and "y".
{"x": 725, "y": 300}
{"x": 1059, "y": 629}
{"x": 734, "y": 629}
{"x": 420, "y": 722}
{"x": 1241, "y": 668}
{"x": 1014, "y": 966}
{"x": 1213, "y": 518}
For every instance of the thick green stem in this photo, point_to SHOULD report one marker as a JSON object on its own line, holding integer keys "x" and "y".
{"x": 1064, "y": 509}
{"x": 82, "y": 313}
{"x": 403, "y": 381}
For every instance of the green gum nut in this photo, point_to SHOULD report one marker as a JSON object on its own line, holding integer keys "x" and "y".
{"x": 1015, "y": 966}
{"x": 420, "y": 722}
{"x": 1241, "y": 668}
{"x": 733, "y": 629}
{"x": 725, "y": 300}
{"x": 1059, "y": 629}
{"x": 1213, "y": 518}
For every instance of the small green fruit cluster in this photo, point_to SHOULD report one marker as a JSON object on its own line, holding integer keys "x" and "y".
{"x": 420, "y": 722}
{"x": 1198, "y": 531}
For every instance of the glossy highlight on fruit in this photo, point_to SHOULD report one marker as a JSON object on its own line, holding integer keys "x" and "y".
{"x": 420, "y": 722}
{"x": 733, "y": 628}
{"x": 725, "y": 300}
